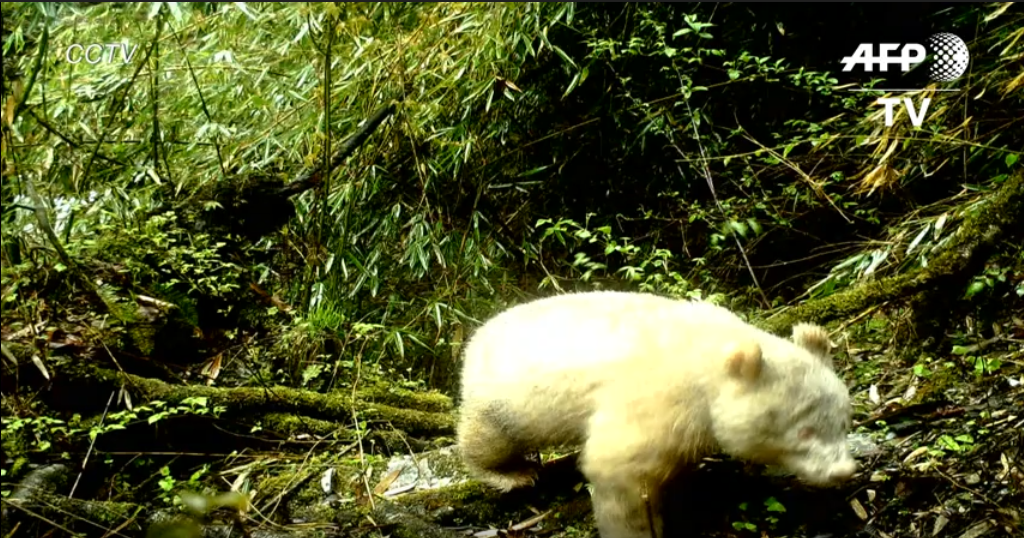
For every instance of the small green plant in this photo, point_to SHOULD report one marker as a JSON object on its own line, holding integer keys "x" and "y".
{"x": 744, "y": 525}
{"x": 154, "y": 412}
{"x": 311, "y": 372}
{"x": 959, "y": 444}
{"x": 771, "y": 506}
{"x": 168, "y": 485}
{"x": 157, "y": 410}
{"x": 922, "y": 369}
{"x": 990, "y": 279}
{"x": 41, "y": 432}
{"x": 982, "y": 366}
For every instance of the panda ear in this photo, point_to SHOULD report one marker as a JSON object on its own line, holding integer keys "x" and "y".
{"x": 815, "y": 339}
{"x": 743, "y": 360}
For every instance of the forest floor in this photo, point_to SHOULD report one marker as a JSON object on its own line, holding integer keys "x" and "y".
{"x": 938, "y": 437}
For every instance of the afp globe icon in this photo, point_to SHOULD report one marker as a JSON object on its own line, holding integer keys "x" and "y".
{"x": 949, "y": 57}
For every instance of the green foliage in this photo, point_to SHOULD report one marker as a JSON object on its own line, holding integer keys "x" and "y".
{"x": 708, "y": 144}
{"x": 163, "y": 252}
{"x": 172, "y": 488}
{"x": 155, "y": 411}
{"x": 23, "y": 436}
{"x": 686, "y": 150}
{"x": 18, "y": 284}
{"x": 41, "y": 434}
{"x": 959, "y": 444}
{"x": 648, "y": 270}
{"x": 155, "y": 252}
{"x": 771, "y": 506}
{"x": 991, "y": 278}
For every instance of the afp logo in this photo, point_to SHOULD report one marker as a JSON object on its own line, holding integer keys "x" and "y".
{"x": 950, "y": 57}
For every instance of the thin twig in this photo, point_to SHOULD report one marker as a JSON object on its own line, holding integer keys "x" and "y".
{"x": 92, "y": 443}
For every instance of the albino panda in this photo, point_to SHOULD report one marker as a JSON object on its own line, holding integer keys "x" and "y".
{"x": 647, "y": 385}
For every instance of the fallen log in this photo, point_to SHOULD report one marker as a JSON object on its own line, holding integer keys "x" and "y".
{"x": 998, "y": 218}
{"x": 79, "y": 384}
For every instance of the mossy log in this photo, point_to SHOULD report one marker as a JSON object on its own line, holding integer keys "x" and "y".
{"x": 998, "y": 218}
{"x": 294, "y": 426}
{"x": 79, "y": 384}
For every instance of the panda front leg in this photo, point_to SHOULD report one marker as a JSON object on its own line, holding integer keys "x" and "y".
{"x": 626, "y": 473}
{"x": 627, "y": 510}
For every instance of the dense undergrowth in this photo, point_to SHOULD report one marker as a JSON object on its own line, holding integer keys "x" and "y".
{"x": 707, "y": 151}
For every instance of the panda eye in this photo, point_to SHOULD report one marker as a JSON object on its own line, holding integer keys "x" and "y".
{"x": 806, "y": 433}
